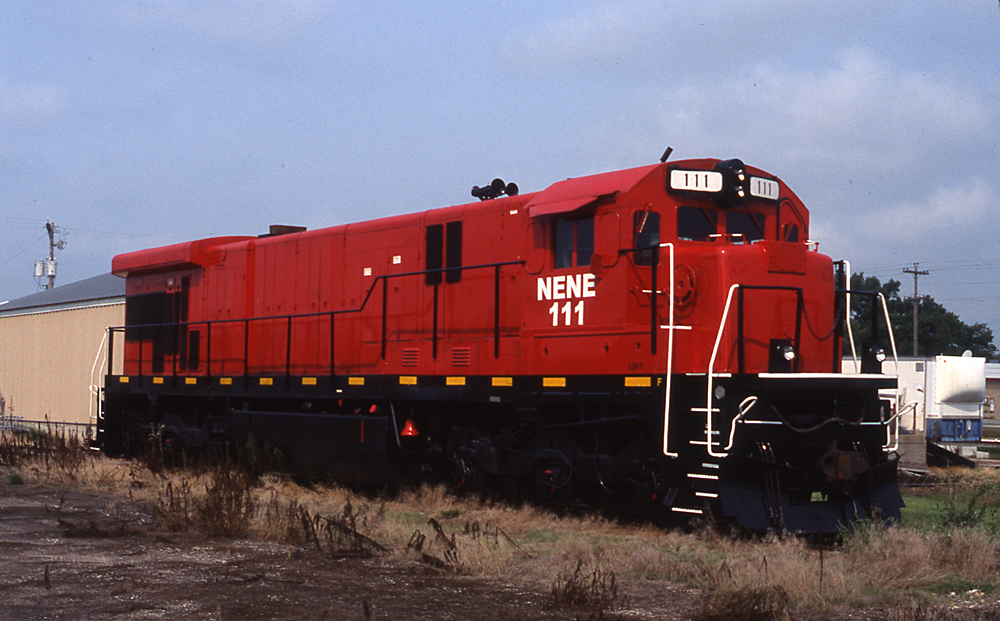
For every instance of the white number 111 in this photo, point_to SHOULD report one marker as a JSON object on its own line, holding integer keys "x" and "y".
{"x": 567, "y": 312}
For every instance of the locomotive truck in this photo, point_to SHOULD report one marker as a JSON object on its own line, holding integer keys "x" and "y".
{"x": 665, "y": 340}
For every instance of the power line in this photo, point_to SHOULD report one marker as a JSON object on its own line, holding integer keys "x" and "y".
{"x": 22, "y": 250}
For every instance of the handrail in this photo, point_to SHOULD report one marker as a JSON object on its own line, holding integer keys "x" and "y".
{"x": 888, "y": 325}
{"x": 95, "y": 387}
{"x": 745, "y": 406}
{"x": 850, "y": 330}
{"x": 384, "y": 278}
{"x": 892, "y": 337}
{"x": 711, "y": 374}
{"x": 670, "y": 357}
{"x": 889, "y": 446}
{"x": 739, "y": 288}
{"x": 655, "y": 327}
{"x": 708, "y": 409}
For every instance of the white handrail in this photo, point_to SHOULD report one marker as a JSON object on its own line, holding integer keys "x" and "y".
{"x": 95, "y": 387}
{"x": 891, "y": 437}
{"x": 889, "y": 445}
{"x": 709, "y": 432}
{"x": 670, "y": 358}
{"x": 745, "y": 406}
{"x": 711, "y": 374}
{"x": 892, "y": 338}
{"x": 847, "y": 312}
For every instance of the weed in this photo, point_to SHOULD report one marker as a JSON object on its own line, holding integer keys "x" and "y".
{"x": 595, "y": 590}
{"x": 55, "y": 448}
{"x": 750, "y": 604}
{"x": 14, "y": 478}
{"x": 175, "y": 507}
{"x": 229, "y": 504}
{"x": 281, "y": 521}
{"x": 262, "y": 460}
{"x": 912, "y": 569}
{"x": 967, "y": 508}
{"x": 222, "y": 503}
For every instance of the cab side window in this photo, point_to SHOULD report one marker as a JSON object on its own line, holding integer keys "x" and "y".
{"x": 749, "y": 225}
{"x": 696, "y": 224}
{"x": 646, "y": 227}
{"x": 572, "y": 242}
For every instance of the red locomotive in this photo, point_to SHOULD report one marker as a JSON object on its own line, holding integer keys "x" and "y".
{"x": 664, "y": 339}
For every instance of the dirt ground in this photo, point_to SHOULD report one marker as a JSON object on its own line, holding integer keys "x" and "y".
{"x": 70, "y": 555}
{"x": 67, "y": 555}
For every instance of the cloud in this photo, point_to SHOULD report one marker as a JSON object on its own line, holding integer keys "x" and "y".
{"x": 30, "y": 105}
{"x": 230, "y": 20}
{"x": 947, "y": 211}
{"x": 647, "y": 35}
{"x": 860, "y": 113}
{"x": 947, "y": 222}
{"x": 599, "y": 32}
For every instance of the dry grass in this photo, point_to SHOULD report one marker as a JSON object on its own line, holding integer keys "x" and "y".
{"x": 766, "y": 604}
{"x": 584, "y": 561}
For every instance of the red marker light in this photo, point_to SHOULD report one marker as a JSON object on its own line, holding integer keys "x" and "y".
{"x": 409, "y": 430}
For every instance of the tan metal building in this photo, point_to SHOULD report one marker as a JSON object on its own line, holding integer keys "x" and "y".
{"x": 49, "y": 343}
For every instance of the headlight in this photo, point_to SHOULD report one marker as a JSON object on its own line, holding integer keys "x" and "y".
{"x": 788, "y": 352}
{"x": 872, "y": 357}
{"x": 734, "y": 174}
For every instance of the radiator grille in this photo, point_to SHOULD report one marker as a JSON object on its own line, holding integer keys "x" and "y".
{"x": 411, "y": 357}
{"x": 461, "y": 356}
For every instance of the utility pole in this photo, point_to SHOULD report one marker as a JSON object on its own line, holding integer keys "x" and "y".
{"x": 916, "y": 301}
{"x": 47, "y": 266}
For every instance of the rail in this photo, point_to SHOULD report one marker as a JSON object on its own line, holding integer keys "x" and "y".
{"x": 94, "y": 402}
{"x": 655, "y": 327}
{"x": 738, "y": 290}
{"x": 671, "y": 327}
{"x": 892, "y": 438}
{"x": 847, "y": 314}
{"x": 741, "y": 357}
{"x": 183, "y": 328}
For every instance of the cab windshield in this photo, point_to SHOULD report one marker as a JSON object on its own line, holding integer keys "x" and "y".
{"x": 701, "y": 223}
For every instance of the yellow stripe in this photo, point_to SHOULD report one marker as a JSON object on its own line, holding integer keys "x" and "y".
{"x": 157, "y": 380}
{"x": 123, "y": 379}
{"x": 408, "y": 380}
{"x": 190, "y": 380}
{"x": 503, "y": 381}
{"x": 454, "y": 381}
{"x": 355, "y": 381}
{"x": 225, "y": 381}
{"x": 554, "y": 382}
{"x": 267, "y": 381}
{"x": 637, "y": 382}
{"x": 308, "y": 381}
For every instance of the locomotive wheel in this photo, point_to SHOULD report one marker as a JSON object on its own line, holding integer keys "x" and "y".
{"x": 550, "y": 479}
{"x": 171, "y": 450}
{"x": 466, "y": 475}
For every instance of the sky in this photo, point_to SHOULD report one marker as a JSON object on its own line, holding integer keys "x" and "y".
{"x": 138, "y": 123}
